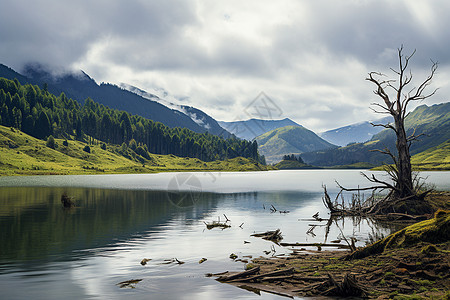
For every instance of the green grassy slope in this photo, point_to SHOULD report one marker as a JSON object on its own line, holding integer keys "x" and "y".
{"x": 431, "y": 121}
{"x": 436, "y": 158}
{"x": 289, "y": 140}
{"x": 21, "y": 154}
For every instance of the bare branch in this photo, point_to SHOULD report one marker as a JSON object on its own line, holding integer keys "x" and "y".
{"x": 382, "y": 107}
{"x": 387, "y": 152}
{"x": 389, "y": 126}
{"x": 360, "y": 189}
{"x": 380, "y": 90}
{"x": 376, "y": 180}
{"x": 419, "y": 92}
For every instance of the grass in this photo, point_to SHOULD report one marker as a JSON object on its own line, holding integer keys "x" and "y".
{"x": 21, "y": 154}
{"x": 436, "y": 158}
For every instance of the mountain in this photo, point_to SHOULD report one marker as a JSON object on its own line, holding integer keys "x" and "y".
{"x": 80, "y": 86}
{"x": 431, "y": 121}
{"x": 41, "y": 114}
{"x": 201, "y": 118}
{"x": 289, "y": 140}
{"x": 354, "y": 133}
{"x": 252, "y": 128}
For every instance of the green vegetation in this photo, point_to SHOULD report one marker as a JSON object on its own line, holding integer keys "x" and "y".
{"x": 289, "y": 139}
{"x": 41, "y": 114}
{"x": 435, "y": 230}
{"x": 409, "y": 264}
{"x": 436, "y": 158}
{"x": 292, "y": 162}
{"x": 22, "y": 154}
{"x": 431, "y": 121}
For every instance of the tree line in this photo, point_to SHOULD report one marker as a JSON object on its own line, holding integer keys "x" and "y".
{"x": 293, "y": 158}
{"x": 41, "y": 114}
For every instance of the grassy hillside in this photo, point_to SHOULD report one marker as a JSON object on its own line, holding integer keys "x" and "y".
{"x": 289, "y": 140}
{"x": 22, "y": 154}
{"x": 431, "y": 121}
{"x": 436, "y": 158}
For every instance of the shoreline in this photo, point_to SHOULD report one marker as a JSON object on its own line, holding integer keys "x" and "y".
{"x": 420, "y": 271}
{"x": 412, "y": 263}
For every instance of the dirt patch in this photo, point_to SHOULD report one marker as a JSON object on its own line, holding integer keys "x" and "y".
{"x": 422, "y": 270}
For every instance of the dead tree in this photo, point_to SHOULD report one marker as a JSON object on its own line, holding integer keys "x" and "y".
{"x": 396, "y": 94}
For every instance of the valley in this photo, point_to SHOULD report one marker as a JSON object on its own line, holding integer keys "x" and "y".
{"x": 180, "y": 132}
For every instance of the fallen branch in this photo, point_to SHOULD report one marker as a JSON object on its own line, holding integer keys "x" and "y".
{"x": 314, "y": 245}
{"x": 239, "y": 275}
{"x": 128, "y": 283}
{"x": 270, "y": 274}
{"x": 215, "y": 224}
{"x": 348, "y": 287}
{"x": 274, "y": 236}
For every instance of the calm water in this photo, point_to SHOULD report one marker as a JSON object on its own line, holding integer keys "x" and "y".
{"x": 47, "y": 252}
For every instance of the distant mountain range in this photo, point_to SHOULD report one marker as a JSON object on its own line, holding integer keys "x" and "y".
{"x": 431, "y": 121}
{"x": 354, "y": 133}
{"x": 252, "y": 128}
{"x": 275, "y": 137}
{"x": 289, "y": 140}
{"x": 80, "y": 86}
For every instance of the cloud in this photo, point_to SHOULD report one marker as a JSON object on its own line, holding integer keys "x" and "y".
{"x": 311, "y": 56}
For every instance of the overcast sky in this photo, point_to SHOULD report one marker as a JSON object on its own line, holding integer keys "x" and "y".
{"x": 309, "y": 57}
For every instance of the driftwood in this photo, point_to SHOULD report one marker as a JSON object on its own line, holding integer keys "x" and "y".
{"x": 314, "y": 245}
{"x": 271, "y": 275}
{"x": 402, "y": 217}
{"x": 172, "y": 260}
{"x": 215, "y": 224}
{"x": 273, "y": 209}
{"x": 258, "y": 287}
{"x": 128, "y": 283}
{"x": 67, "y": 201}
{"x": 239, "y": 275}
{"x": 348, "y": 287}
{"x": 274, "y": 236}
{"x": 216, "y": 274}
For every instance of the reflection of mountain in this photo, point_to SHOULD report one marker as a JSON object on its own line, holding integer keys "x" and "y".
{"x": 38, "y": 227}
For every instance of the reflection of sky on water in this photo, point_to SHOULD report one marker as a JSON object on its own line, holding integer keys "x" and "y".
{"x": 85, "y": 252}
{"x": 222, "y": 182}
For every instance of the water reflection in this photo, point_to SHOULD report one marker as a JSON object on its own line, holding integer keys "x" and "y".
{"x": 35, "y": 226}
{"x": 84, "y": 251}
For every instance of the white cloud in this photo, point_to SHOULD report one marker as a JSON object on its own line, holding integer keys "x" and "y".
{"x": 310, "y": 56}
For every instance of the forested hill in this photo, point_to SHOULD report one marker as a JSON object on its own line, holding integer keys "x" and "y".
{"x": 39, "y": 113}
{"x": 80, "y": 86}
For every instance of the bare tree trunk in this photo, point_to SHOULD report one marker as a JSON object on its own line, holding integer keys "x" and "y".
{"x": 404, "y": 184}
{"x": 396, "y": 95}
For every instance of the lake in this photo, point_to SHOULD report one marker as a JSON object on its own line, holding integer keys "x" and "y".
{"x": 48, "y": 252}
